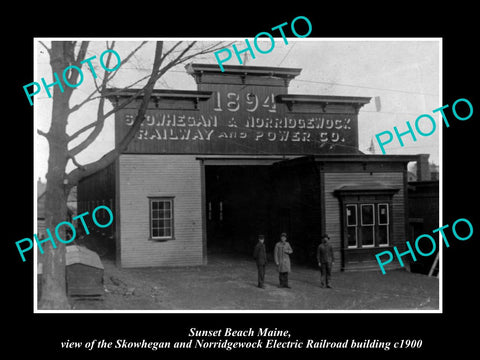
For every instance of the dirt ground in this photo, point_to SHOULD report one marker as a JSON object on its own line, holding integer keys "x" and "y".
{"x": 229, "y": 283}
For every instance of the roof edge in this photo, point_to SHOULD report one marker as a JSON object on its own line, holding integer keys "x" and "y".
{"x": 194, "y": 68}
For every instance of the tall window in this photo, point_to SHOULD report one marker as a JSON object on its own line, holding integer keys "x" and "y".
{"x": 383, "y": 224}
{"x": 352, "y": 225}
{"x": 161, "y": 218}
{"x": 367, "y": 225}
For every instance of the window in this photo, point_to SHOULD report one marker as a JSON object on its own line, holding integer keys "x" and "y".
{"x": 367, "y": 225}
{"x": 383, "y": 224}
{"x": 351, "y": 225}
{"x": 161, "y": 218}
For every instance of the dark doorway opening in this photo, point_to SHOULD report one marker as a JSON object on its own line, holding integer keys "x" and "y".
{"x": 238, "y": 207}
{"x": 243, "y": 201}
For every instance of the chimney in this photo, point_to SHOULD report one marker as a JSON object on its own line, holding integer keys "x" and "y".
{"x": 423, "y": 168}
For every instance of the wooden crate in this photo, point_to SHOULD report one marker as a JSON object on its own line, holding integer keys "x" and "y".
{"x": 84, "y": 272}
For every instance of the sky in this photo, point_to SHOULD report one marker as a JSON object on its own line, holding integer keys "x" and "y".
{"x": 401, "y": 75}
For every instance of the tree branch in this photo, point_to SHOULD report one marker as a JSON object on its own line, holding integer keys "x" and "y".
{"x": 157, "y": 71}
{"x": 100, "y": 117}
{"x": 79, "y": 166}
{"x": 96, "y": 91}
{"x": 75, "y": 61}
{"x": 42, "y": 133}
{"x": 49, "y": 51}
{"x": 75, "y": 175}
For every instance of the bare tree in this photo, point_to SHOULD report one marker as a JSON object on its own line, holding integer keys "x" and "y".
{"x": 59, "y": 182}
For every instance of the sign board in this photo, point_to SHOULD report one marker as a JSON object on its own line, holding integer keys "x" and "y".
{"x": 242, "y": 119}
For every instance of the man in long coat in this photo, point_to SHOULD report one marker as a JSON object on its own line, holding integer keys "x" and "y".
{"x": 281, "y": 254}
{"x": 260, "y": 256}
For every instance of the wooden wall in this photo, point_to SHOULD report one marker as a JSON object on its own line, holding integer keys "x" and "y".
{"x": 141, "y": 176}
{"x": 97, "y": 189}
{"x": 333, "y": 226}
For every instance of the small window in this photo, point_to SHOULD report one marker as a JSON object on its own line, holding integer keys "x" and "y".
{"x": 161, "y": 218}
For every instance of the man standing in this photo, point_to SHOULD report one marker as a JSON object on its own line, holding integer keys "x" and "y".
{"x": 325, "y": 261}
{"x": 282, "y": 259}
{"x": 260, "y": 256}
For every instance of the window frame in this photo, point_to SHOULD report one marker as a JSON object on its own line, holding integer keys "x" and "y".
{"x": 372, "y": 226}
{"x": 355, "y": 226}
{"x": 359, "y": 203}
{"x": 387, "y": 225}
{"x": 151, "y": 200}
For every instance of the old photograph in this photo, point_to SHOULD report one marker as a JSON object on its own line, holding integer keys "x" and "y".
{"x": 225, "y": 175}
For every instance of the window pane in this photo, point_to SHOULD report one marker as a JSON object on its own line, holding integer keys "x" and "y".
{"x": 383, "y": 214}
{"x": 367, "y": 214}
{"x": 382, "y": 235}
{"x": 351, "y": 215}
{"x": 352, "y": 236}
{"x": 161, "y": 214}
{"x": 367, "y": 235}
{"x": 161, "y": 224}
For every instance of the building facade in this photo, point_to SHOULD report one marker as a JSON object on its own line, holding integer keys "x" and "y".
{"x": 209, "y": 170}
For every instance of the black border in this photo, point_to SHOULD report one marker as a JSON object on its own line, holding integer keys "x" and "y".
{"x": 450, "y": 331}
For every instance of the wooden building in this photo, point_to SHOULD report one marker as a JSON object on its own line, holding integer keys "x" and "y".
{"x": 211, "y": 169}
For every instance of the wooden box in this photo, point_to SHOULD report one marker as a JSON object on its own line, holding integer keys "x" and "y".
{"x": 84, "y": 272}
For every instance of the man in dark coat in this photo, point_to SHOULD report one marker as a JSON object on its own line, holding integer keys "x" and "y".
{"x": 325, "y": 260}
{"x": 281, "y": 254}
{"x": 260, "y": 256}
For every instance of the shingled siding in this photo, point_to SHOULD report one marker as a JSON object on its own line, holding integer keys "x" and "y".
{"x": 144, "y": 176}
{"x": 333, "y": 211}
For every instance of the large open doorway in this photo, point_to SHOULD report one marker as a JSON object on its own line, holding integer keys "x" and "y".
{"x": 238, "y": 206}
{"x": 245, "y": 200}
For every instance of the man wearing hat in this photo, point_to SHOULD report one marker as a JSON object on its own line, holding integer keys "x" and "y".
{"x": 260, "y": 256}
{"x": 281, "y": 254}
{"x": 325, "y": 260}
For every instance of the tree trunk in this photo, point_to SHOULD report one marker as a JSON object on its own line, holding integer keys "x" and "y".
{"x": 54, "y": 295}
{"x": 53, "y": 278}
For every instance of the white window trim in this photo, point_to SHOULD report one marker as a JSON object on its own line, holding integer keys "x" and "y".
{"x": 356, "y": 239}
{"x": 354, "y": 226}
{"x": 361, "y": 214}
{"x": 387, "y": 224}
{"x": 368, "y": 225}
{"x": 150, "y": 202}
{"x": 388, "y": 214}
{"x": 356, "y": 214}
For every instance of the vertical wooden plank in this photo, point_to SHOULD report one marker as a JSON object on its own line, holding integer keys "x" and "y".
{"x": 322, "y": 200}
{"x": 117, "y": 204}
{"x": 204, "y": 218}
{"x": 405, "y": 202}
